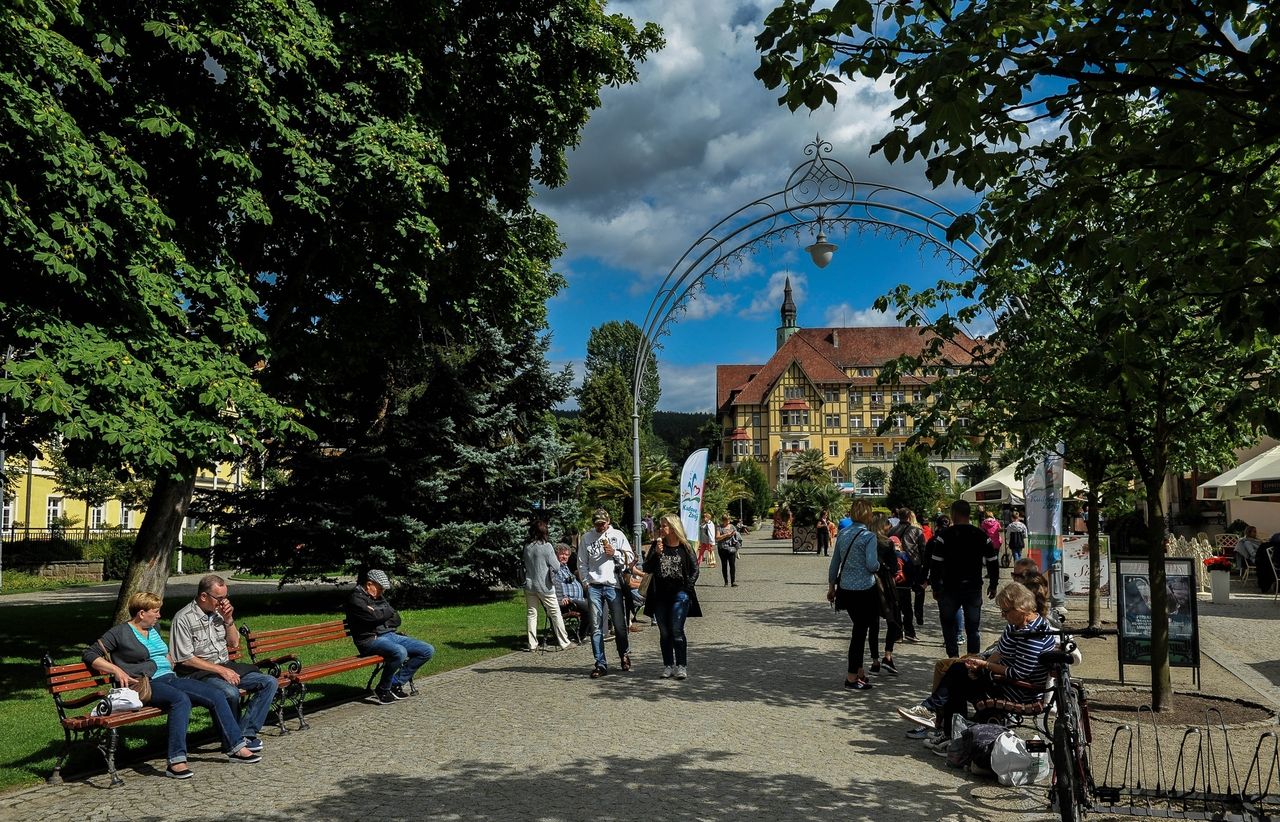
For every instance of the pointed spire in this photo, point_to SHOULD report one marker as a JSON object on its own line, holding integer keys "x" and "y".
{"x": 788, "y": 326}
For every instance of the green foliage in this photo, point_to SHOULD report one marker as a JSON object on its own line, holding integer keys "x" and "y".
{"x": 870, "y": 476}
{"x": 114, "y": 552}
{"x": 722, "y": 490}
{"x": 810, "y": 467}
{"x": 683, "y": 433}
{"x": 912, "y": 483}
{"x": 605, "y": 400}
{"x": 807, "y": 500}
{"x": 752, "y": 475}
{"x": 614, "y": 345}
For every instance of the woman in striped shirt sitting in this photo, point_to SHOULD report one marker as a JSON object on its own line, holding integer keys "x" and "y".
{"x": 1017, "y": 657}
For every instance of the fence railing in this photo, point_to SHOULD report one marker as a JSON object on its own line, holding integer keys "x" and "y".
{"x": 18, "y": 532}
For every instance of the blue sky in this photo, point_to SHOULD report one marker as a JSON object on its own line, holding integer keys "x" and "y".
{"x": 665, "y": 159}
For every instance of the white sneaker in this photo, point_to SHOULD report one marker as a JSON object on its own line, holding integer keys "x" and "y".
{"x": 918, "y": 714}
{"x": 667, "y": 671}
{"x": 681, "y": 673}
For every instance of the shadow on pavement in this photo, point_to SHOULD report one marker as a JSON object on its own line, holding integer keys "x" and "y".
{"x": 698, "y": 784}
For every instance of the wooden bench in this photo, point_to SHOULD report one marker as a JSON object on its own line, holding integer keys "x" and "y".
{"x": 264, "y": 649}
{"x": 76, "y": 686}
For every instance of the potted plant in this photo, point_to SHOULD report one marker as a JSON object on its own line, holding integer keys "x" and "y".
{"x": 1219, "y": 568}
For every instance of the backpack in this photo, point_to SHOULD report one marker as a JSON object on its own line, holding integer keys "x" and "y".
{"x": 1017, "y": 539}
{"x": 904, "y": 564}
{"x": 992, "y": 530}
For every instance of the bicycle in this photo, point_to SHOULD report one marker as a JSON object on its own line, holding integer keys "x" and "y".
{"x": 1072, "y": 785}
{"x": 1071, "y": 789}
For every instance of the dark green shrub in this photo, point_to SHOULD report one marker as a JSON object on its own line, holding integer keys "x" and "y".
{"x": 114, "y": 553}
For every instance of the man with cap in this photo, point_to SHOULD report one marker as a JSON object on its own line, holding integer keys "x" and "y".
{"x": 373, "y": 623}
{"x": 602, "y": 553}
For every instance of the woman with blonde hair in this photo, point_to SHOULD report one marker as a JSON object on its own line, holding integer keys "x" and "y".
{"x": 134, "y": 649}
{"x": 851, "y": 587}
{"x": 672, "y": 598}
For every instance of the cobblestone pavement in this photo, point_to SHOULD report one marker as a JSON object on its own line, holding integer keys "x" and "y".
{"x": 761, "y": 730}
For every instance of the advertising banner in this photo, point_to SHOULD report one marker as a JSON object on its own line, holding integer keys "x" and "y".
{"x": 691, "y": 481}
{"x": 1075, "y": 564}
{"x": 1133, "y": 598}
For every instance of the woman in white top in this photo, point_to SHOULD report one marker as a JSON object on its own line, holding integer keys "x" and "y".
{"x": 707, "y": 541}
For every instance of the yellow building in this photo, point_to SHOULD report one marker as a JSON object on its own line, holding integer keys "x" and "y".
{"x": 37, "y": 506}
{"x": 819, "y": 391}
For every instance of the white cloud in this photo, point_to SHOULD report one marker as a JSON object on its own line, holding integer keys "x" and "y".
{"x": 697, "y": 138}
{"x": 688, "y": 387}
{"x": 771, "y": 298}
{"x": 845, "y": 315}
{"x": 706, "y": 305}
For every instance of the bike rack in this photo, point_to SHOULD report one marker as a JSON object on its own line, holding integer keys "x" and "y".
{"x": 1204, "y": 783}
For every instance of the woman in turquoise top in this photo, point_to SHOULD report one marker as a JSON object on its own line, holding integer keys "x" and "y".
{"x": 136, "y": 648}
{"x": 851, "y": 586}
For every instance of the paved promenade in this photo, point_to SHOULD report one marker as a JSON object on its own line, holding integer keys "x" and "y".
{"x": 761, "y": 730}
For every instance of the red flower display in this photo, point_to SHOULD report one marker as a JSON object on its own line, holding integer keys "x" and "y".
{"x": 1218, "y": 563}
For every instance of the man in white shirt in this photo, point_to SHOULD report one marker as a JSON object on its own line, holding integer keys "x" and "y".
{"x": 602, "y": 554}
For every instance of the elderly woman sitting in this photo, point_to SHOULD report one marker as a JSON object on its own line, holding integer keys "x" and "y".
{"x": 1015, "y": 660}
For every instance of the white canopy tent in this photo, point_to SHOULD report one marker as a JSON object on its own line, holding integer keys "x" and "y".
{"x": 1258, "y": 478}
{"x": 1004, "y": 488}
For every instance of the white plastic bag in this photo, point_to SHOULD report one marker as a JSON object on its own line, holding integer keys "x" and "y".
{"x": 1014, "y": 765}
{"x": 121, "y": 699}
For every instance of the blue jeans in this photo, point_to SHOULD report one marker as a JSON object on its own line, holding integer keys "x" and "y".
{"x": 602, "y": 597}
{"x": 165, "y": 695}
{"x": 950, "y": 605}
{"x": 402, "y": 656}
{"x": 261, "y": 689}
{"x": 671, "y": 616}
{"x": 205, "y": 696}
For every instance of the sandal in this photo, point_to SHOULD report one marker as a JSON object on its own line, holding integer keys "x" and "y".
{"x": 598, "y": 672}
{"x": 626, "y": 662}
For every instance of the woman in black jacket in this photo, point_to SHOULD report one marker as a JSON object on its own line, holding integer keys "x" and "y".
{"x": 671, "y": 597}
{"x": 135, "y": 648}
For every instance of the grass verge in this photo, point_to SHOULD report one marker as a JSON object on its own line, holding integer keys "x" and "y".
{"x": 32, "y": 737}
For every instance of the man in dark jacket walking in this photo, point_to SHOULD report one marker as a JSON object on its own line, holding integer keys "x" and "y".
{"x": 373, "y": 624}
{"x": 957, "y": 555}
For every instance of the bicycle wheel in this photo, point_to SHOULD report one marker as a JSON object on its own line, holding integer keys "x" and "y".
{"x": 1065, "y": 778}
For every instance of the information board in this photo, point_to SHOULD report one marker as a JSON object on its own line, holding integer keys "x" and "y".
{"x": 1133, "y": 609}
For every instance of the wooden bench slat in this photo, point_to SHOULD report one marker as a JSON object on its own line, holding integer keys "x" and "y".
{"x": 298, "y": 629}
{"x": 271, "y": 647}
{"x": 337, "y": 666}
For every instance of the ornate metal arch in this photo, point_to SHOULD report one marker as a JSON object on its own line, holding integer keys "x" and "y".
{"x": 821, "y": 193}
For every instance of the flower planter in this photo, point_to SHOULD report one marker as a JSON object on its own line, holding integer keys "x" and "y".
{"x": 1220, "y": 585}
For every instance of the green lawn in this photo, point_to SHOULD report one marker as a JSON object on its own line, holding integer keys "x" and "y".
{"x": 32, "y": 737}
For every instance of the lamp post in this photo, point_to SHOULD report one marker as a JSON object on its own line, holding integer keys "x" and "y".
{"x": 819, "y": 192}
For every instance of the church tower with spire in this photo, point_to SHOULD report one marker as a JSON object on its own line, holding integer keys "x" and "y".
{"x": 788, "y": 326}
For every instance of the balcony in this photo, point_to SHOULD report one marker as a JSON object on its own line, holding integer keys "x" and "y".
{"x": 861, "y": 458}
{"x": 802, "y": 428}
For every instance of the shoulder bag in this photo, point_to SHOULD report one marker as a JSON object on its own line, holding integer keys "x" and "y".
{"x": 143, "y": 685}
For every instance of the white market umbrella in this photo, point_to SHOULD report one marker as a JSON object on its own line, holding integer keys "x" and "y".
{"x": 1262, "y": 480}
{"x": 1004, "y": 488}
{"x": 1238, "y": 483}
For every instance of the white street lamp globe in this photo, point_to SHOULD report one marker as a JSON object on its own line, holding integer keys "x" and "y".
{"x": 821, "y": 251}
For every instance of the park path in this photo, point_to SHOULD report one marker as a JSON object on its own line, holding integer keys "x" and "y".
{"x": 761, "y": 730}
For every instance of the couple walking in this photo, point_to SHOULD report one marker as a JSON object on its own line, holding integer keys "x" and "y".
{"x": 726, "y": 541}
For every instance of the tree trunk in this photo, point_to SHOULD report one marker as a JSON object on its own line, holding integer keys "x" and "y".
{"x": 1161, "y": 687}
{"x": 1095, "y": 563}
{"x": 149, "y": 566}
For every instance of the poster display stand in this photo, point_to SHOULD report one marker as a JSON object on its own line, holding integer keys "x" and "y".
{"x": 1133, "y": 613}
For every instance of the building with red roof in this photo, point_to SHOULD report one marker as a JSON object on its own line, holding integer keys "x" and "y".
{"x": 820, "y": 390}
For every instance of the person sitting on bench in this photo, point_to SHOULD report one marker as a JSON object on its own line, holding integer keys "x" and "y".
{"x": 373, "y": 623}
